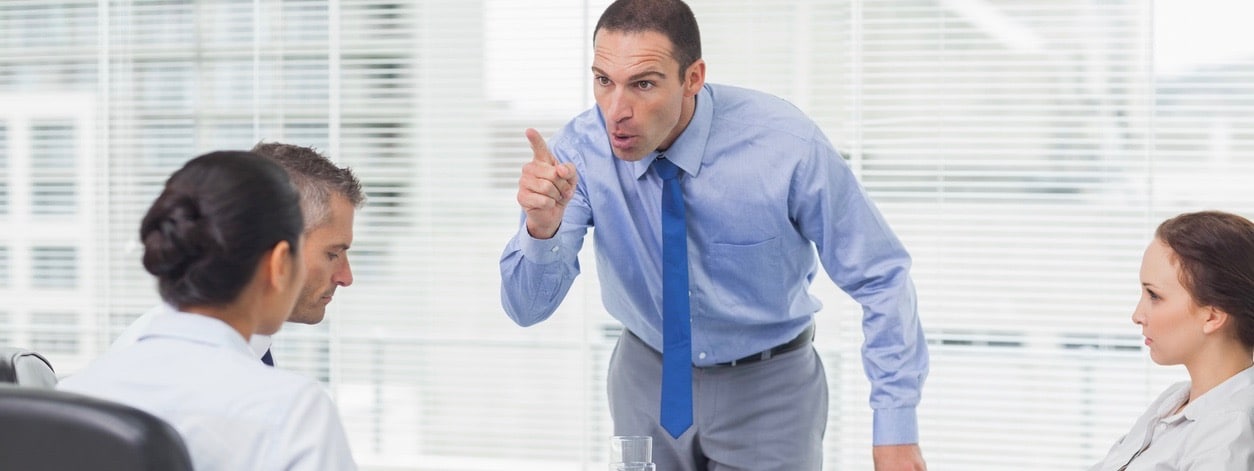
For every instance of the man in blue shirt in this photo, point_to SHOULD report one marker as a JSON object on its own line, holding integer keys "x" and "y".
{"x": 761, "y": 189}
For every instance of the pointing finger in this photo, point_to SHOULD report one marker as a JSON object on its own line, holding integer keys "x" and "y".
{"x": 540, "y": 150}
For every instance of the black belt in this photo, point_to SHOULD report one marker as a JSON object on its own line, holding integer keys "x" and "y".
{"x": 801, "y": 340}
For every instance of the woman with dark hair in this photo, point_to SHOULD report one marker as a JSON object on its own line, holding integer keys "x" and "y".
{"x": 1197, "y": 310}
{"x": 223, "y": 240}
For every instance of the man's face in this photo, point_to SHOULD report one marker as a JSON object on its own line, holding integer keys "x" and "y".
{"x": 645, "y": 105}
{"x": 325, "y": 258}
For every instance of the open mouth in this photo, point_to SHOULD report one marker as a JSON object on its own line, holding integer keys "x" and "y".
{"x": 622, "y": 140}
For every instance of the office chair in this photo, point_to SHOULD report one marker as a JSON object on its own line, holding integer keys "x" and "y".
{"x": 50, "y": 430}
{"x": 26, "y": 368}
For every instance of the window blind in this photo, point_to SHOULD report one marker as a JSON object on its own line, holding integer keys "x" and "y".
{"x": 1023, "y": 150}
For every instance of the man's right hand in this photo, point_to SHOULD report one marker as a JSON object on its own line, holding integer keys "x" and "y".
{"x": 544, "y": 188}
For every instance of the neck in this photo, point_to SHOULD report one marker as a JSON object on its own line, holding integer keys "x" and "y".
{"x": 688, "y": 110}
{"x": 1214, "y": 366}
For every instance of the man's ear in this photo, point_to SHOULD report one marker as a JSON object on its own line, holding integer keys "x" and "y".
{"x": 694, "y": 78}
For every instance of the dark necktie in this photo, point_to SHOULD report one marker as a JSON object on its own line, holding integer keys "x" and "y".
{"x": 676, "y": 413}
{"x": 267, "y": 359}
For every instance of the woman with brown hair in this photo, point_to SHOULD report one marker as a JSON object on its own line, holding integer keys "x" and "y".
{"x": 1197, "y": 310}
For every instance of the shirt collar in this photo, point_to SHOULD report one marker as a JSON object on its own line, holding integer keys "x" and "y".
{"x": 689, "y": 148}
{"x": 1219, "y": 396}
{"x": 260, "y": 344}
{"x": 197, "y": 328}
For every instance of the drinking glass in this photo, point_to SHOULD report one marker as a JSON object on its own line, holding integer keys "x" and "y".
{"x": 632, "y": 467}
{"x": 631, "y": 453}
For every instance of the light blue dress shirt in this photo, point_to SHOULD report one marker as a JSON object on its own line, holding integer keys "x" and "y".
{"x": 763, "y": 189}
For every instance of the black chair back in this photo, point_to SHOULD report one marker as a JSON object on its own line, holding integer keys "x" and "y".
{"x": 50, "y": 430}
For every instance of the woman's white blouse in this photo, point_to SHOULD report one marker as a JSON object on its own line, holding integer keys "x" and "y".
{"x": 1213, "y": 433}
{"x": 234, "y": 412}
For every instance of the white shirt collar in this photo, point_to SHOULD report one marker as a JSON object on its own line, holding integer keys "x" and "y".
{"x": 259, "y": 343}
{"x": 1218, "y": 397}
{"x": 197, "y": 328}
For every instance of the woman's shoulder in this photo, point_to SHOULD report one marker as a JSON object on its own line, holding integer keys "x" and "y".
{"x": 1222, "y": 436}
{"x": 1239, "y": 402}
{"x": 274, "y": 381}
{"x": 1233, "y": 398}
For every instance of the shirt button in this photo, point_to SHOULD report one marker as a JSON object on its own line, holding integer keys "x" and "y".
{"x": 701, "y": 355}
{"x": 554, "y": 249}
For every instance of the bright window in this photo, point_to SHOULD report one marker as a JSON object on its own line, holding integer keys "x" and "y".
{"x": 1023, "y": 150}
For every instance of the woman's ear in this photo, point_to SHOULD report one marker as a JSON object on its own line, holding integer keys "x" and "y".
{"x": 1213, "y": 319}
{"x": 280, "y": 265}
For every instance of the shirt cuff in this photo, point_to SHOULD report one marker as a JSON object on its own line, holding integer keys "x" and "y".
{"x": 895, "y": 427}
{"x": 539, "y": 251}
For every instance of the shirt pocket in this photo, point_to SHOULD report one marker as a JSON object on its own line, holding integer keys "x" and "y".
{"x": 748, "y": 278}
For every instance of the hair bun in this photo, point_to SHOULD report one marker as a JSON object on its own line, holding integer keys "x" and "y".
{"x": 217, "y": 218}
{"x": 173, "y": 238}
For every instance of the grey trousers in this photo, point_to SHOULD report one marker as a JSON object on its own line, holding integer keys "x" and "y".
{"x": 763, "y": 416}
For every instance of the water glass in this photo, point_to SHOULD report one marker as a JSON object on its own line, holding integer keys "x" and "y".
{"x": 631, "y": 453}
{"x": 632, "y": 467}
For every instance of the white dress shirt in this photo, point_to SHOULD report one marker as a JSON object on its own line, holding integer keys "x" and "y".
{"x": 234, "y": 412}
{"x": 1215, "y": 432}
{"x": 259, "y": 343}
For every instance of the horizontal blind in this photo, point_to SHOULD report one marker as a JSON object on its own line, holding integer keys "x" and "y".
{"x": 1023, "y": 150}
{"x": 1007, "y": 143}
{"x": 451, "y": 382}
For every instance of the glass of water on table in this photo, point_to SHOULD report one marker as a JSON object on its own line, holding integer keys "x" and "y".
{"x": 631, "y": 453}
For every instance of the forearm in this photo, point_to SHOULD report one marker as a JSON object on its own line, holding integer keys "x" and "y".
{"x": 865, "y": 258}
{"x": 895, "y": 359}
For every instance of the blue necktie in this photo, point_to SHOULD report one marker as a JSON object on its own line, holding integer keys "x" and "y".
{"x": 267, "y": 359}
{"x": 676, "y": 324}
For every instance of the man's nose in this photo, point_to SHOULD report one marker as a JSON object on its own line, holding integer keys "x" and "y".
{"x": 343, "y": 276}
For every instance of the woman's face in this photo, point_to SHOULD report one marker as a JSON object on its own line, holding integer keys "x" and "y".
{"x": 1170, "y": 320}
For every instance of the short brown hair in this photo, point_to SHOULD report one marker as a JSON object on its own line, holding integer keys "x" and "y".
{"x": 1215, "y": 251}
{"x": 672, "y": 18}
{"x": 315, "y": 177}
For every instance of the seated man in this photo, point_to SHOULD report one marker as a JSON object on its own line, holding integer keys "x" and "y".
{"x": 329, "y": 197}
